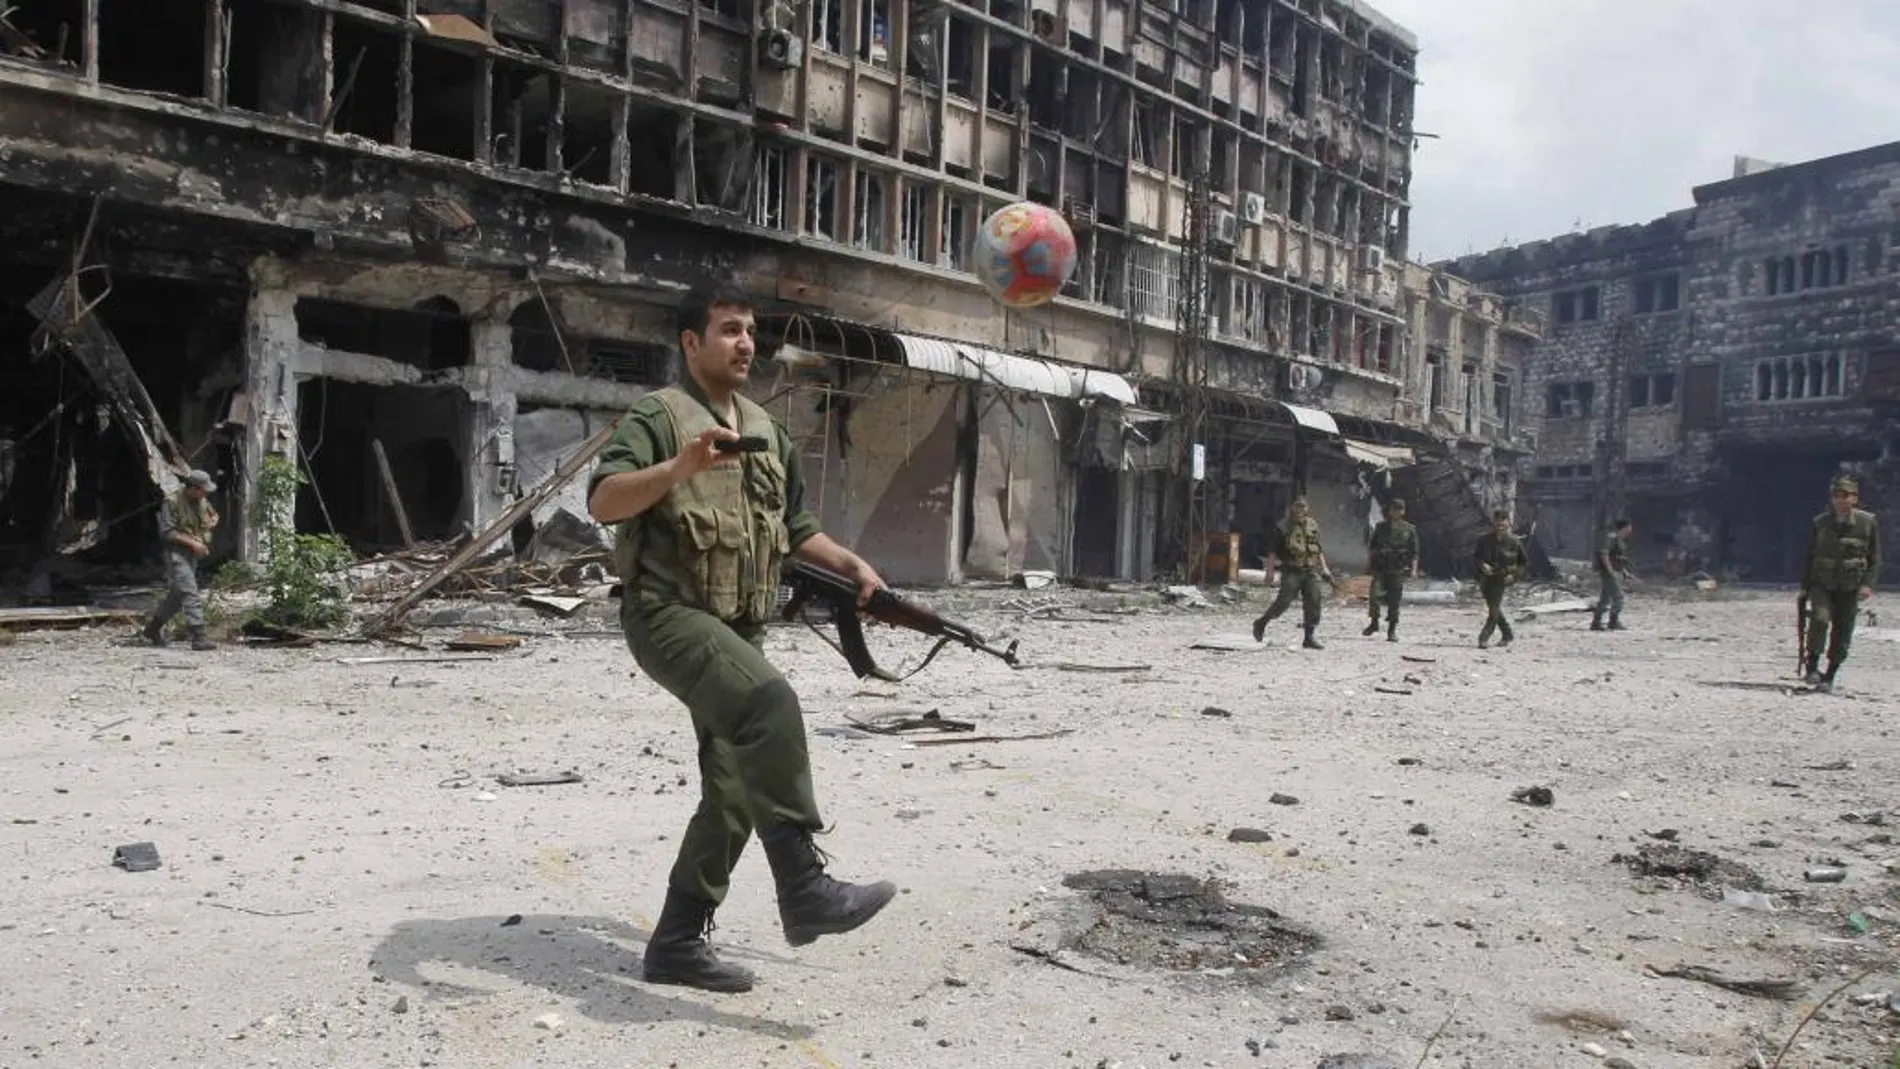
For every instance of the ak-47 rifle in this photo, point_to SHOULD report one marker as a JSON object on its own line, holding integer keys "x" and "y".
{"x": 840, "y": 596}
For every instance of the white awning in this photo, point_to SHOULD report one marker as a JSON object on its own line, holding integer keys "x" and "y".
{"x": 1012, "y": 372}
{"x": 1312, "y": 418}
{"x": 1379, "y": 456}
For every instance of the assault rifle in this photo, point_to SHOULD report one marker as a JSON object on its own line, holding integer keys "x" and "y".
{"x": 840, "y": 595}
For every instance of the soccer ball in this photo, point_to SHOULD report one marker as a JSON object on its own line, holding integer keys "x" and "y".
{"x": 1024, "y": 254}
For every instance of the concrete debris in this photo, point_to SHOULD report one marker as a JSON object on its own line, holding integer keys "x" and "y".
{"x": 1249, "y": 835}
{"x": 37, "y": 618}
{"x": 1187, "y": 597}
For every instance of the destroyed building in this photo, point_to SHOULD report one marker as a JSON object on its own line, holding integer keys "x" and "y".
{"x": 428, "y": 247}
{"x": 1706, "y": 373}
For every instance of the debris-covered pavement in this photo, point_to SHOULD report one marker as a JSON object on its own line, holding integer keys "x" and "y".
{"x": 1585, "y": 849}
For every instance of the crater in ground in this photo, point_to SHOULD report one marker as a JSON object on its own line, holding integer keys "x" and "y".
{"x": 1180, "y": 923}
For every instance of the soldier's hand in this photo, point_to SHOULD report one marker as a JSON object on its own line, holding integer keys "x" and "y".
{"x": 1866, "y": 592}
{"x": 702, "y": 453}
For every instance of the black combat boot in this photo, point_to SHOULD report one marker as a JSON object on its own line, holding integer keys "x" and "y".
{"x": 154, "y": 631}
{"x": 1505, "y": 637}
{"x": 1812, "y": 674}
{"x": 810, "y": 903}
{"x": 1616, "y": 623}
{"x": 1596, "y": 619}
{"x": 1311, "y": 643}
{"x": 678, "y": 953}
{"x": 1484, "y": 635}
{"x": 1392, "y": 630}
{"x": 1373, "y": 627}
{"x": 1260, "y": 628}
{"x": 1827, "y": 678}
{"x": 198, "y": 639}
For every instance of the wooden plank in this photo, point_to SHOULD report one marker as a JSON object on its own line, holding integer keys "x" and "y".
{"x": 395, "y": 496}
{"x": 496, "y": 528}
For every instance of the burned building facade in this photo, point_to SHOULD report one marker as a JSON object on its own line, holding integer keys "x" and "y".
{"x": 426, "y": 247}
{"x": 1706, "y": 373}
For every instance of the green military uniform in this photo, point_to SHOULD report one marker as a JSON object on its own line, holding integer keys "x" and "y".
{"x": 1296, "y": 544}
{"x": 1611, "y": 561}
{"x": 1501, "y": 562}
{"x": 701, "y": 577}
{"x": 1843, "y": 558}
{"x": 1393, "y": 553}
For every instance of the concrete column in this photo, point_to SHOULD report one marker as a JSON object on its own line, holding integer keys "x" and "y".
{"x": 492, "y": 404}
{"x": 270, "y": 345}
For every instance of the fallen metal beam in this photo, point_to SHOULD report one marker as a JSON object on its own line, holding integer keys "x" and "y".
{"x": 496, "y": 528}
{"x": 395, "y": 496}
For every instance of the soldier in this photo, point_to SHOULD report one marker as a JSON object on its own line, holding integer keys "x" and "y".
{"x": 702, "y": 533}
{"x": 1501, "y": 562}
{"x": 1394, "y": 559}
{"x": 185, "y": 523}
{"x": 1296, "y": 545}
{"x": 1842, "y": 566}
{"x": 1612, "y": 569}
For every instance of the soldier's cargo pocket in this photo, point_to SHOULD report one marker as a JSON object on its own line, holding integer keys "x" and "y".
{"x": 718, "y": 547}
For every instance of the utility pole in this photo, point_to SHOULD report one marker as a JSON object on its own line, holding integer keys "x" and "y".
{"x": 1188, "y": 517}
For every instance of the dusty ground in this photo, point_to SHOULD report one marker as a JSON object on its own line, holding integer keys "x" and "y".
{"x": 339, "y": 863}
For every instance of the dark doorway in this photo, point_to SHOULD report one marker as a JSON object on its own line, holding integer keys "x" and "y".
{"x": 423, "y": 431}
{"x": 1771, "y": 508}
{"x": 1097, "y": 511}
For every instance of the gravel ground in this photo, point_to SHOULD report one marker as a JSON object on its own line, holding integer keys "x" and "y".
{"x": 341, "y": 868}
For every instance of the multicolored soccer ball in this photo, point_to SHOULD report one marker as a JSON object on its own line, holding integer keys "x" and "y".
{"x": 1024, "y": 254}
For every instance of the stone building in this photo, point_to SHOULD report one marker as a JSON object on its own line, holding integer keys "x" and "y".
{"x": 1707, "y": 372}
{"x": 442, "y": 238}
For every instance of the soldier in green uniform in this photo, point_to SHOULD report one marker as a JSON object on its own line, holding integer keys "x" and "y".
{"x": 1842, "y": 566}
{"x": 701, "y": 535}
{"x": 1501, "y": 562}
{"x": 1394, "y": 559}
{"x": 1612, "y": 568}
{"x": 1303, "y": 565}
{"x": 185, "y": 522}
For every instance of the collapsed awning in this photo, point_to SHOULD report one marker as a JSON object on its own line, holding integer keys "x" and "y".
{"x": 1012, "y": 372}
{"x": 1379, "y": 456}
{"x": 1312, "y": 418}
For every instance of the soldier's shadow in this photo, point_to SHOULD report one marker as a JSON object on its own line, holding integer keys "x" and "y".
{"x": 593, "y": 961}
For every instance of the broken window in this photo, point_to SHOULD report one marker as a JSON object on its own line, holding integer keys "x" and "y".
{"x": 874, "y": 32}
{"x": 868, "y": 210}
{"x": 1702, "y": 397}
{"x": 961, "y": 68}
{"x": 1049, "y": 81}
{"x": 157, "y": 46}
{"x": 913, "y": 217}
{"x": 1000, "y": 76}
{"x": 1570, "y": 400}
{"x": 1247, "y": 309}
{"x": 1107, "y": 285}
{"x": 1434, "y": 379}
{"x": 1187, "y": 144}
{"x": 1501, "y": 402}
{"x": 638, "y": 363}
{"x": 821, "y": 197}
{"x": 1653, "y": 391}
{"x": 1661, "y": 293}
{"x": 365, "y": 70}
{"x": 1300, "y": 195}
{"x": 768, "y": 188}
{"x": 1840, "y": 265}
{"x": 587, "y": 136}
{"x": 827, "y": 25}
{"x": 1149, "y": 117}
{"x": 1280, "y": 49}
{"x": 433, "y": 335}
{"x": 1575, "y": 306}
{"x": 959, "y": 219}
{"x": 1646, "y": 468}
{"x": 445, "y": 101}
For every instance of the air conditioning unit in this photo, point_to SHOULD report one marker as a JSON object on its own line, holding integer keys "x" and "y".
{"x": 1223, "y": 226}
{"x": 1304, "y": 376}
{"x": 1371, "y": 259}
{"x": 782, "y": 49}
{"x": 1253, "y": 209}
{"x": 1080, "y": 213}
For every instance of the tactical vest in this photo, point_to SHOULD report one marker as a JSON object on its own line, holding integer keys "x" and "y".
{"x": 187, "y": 516}
{"x": 728, "y": 521}
{"x": 1841, "y": 551}
{"x": 1301, "y": 544}
{"x": 1394, "y": 546}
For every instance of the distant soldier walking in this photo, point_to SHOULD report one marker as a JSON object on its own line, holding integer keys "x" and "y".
{"x": 1842, "y": 566}
{"x": 1612, "y": 569}
{"x": 185, "y": 522}
{"x": 1501, "y": 562}
{"x": 1394, "y": 559}
{"x": 1303, "y": 564}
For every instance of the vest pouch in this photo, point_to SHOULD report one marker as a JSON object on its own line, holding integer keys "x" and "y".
{"x": 714, "y": 551}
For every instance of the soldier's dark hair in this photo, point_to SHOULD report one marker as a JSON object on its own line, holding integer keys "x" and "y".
{"x": 1620, "y": 524}
{"x": 1500, "y": 514}
{"x": 1395, "y": 503}
{"x": 696, "y": 305}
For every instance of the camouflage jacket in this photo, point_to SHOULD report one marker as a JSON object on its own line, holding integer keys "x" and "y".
{"x": 1394, "y": 546}
{"x": 1843, "y": 554}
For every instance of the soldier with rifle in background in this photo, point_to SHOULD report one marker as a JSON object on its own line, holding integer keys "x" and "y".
{"x": 1501, "y": 562}
{"x": 1841, "y": 568}
{"x": 1393, "y": 555}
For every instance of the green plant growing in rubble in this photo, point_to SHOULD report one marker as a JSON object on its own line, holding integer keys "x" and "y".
{"x": 303, "y": 573}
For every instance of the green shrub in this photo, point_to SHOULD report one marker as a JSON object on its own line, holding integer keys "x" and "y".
{"x": 304, "y": 574}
